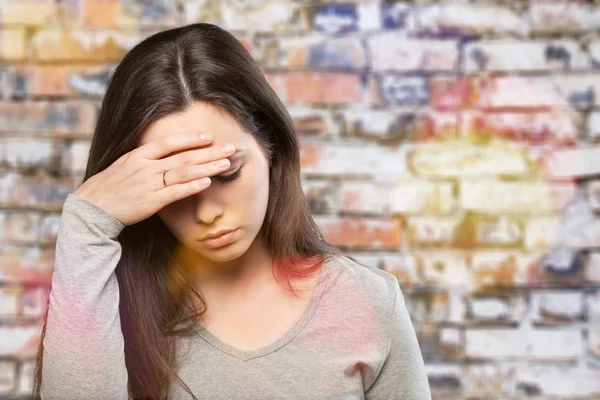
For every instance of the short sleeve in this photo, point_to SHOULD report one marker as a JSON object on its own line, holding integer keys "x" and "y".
{"x": 403, "y": 374}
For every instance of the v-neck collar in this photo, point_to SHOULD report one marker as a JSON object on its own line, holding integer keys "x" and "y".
{"x": 283, "y": 340}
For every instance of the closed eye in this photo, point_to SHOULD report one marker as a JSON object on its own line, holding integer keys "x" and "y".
{"x": 228, "y": 178}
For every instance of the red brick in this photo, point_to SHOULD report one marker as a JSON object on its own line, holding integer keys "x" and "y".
{"x": 20, "y": 227}
{"x": 26, "y": 264}
{"x": 361, "y": 232}
{"x": 557, "y": 126}
{"x": 321, "y": 88}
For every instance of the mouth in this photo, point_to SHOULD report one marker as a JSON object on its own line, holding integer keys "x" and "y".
{"x": 217, "y": 234}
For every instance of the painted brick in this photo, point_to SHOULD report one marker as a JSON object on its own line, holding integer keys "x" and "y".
{"x": 202, "y": 11}
{"x": 49, "y": 228}
{"x": 556, "y": 307}
{"x": 501, "y": 308}
{"x": 29, "y": 154}
{"x": 361, "y": 232}
{"x": 314, "y": 52}
{"x": 14, "y": 81}
{"x": 500, "y": 269}
{"x": 34, "y": 300}
{"x": 498, "y": 196}
{"x": 19, "y": 341}
{"x": 26, "y": 264}
{"x": 565, "y": 381}
{"x": 540, "y": 233}
{"x": 10, "y": 298}
{"x": 432, "y": 231}
{"x": 429, "y": 306}
{"x": 594, "y": 49}
{"x": 83, "y": 45}
{"x": 451, "y": 343}
{"x": 57, "y": 118}
{"x": 266, "y": 16}
{"x": 498, "y": 343}
{"x": 397, "y": 89}
{"x": 506, "y": 343}
{"x": 461, "y": 159}
{"x": 322, "y": 197}
{"x": 26, "y": 371}
{"x": 511, "y": 55}
{"x": 398, "y": 16}
{"x": 488, "y": 378}
{"x": 593, "y": 126}
{"x": 403, "y": 266}
{"x": 403, "y": 197}
{"x": 392, "y": 51}
{"x": 443, "y": 268}
{"x": 77, "y": 156}
{"x": 13, "y": 44}
{"x": 592, "y": 194}
{"x": 573, "y": 163}
{"x": 32, "y": 191}
{"x": 578, "y": 91}
{"x": 462, "y": 19}
{"x": 68, "y": 80}
{"x": 593, "y": 345}
{"x": 369, "y": 161}
{"x": 556, "y": 344}
{"x": 313, "y": 122}
{"x": 31, "y": 13}
{"x": 8, "y": 376}
{"x": 592, "y": 268}
{"x": 20, "y": 227}
{"x": 428, "y": 336}
{"x": 110, "y": 13}
{"x": 314, "y": 88}
{"x": 445, "y": 379}
{"x": 334, "y": 18}
{"x": 555, "y": 126}
{"x": 592, "y": 302}
{"x": 394, "y": 126}
{"x": 557, "y": 16}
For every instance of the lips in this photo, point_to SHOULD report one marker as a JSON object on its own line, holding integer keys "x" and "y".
{"x": 217, "y": 234}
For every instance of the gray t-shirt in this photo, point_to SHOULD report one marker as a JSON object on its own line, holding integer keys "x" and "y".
{"x": 355, "y": 340}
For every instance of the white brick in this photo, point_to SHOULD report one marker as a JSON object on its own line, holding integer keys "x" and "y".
{"x": 8, "y": 376}
{"x": 511, "y": 55}
{"x": 559, "y": 380}
{"x": 393, "y": 51}
{"x": 556, "y": 306}
{"x": 9, "y": 301}
{"x": 497, "y": 196}
{"x": 495, "y": 343}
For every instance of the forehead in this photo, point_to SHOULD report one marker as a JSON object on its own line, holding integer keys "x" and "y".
{"x": 200, "y": 117}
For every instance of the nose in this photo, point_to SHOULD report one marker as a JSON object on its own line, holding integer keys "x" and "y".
{"x": 207, "y": 208}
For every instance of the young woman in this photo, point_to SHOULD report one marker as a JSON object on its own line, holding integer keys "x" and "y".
{"x": 185, "y": 269}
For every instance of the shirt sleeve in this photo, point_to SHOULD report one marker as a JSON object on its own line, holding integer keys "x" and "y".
{"x": 403, "y": 374}
{"x": 83, "y": 346}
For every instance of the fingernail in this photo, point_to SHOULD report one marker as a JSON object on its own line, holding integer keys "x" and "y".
{"x": 206, "y": 136}
{"x": 223, "y": 163}
{"x": 227, "y": 148}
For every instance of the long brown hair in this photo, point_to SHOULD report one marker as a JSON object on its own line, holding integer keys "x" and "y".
{"x": 164, "y": 74}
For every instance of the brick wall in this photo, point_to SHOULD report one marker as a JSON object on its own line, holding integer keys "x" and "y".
{"x": 452, "y": 144}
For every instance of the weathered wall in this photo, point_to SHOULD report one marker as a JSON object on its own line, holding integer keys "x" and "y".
{"x": 427, "y": 132}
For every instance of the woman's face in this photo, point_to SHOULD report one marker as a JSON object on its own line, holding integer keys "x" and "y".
{"x": 239, "y": 203}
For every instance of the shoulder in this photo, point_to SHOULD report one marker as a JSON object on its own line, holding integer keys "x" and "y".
{"x": 365, "y": 283}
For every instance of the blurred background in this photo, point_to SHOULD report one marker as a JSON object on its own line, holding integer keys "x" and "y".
{"x": 453, "y": 144}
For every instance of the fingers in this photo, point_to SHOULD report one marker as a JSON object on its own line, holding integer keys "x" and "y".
{"x": 165, "y": 145}
{"x": 194, "y": 172}
{"x": 193, "y": 157}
